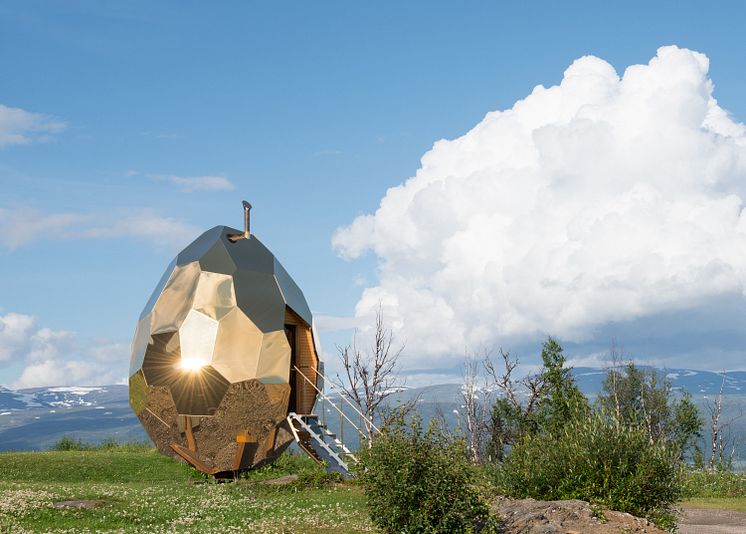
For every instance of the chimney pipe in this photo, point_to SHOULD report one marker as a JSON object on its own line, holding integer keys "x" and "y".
{"x": 246, "y": 220}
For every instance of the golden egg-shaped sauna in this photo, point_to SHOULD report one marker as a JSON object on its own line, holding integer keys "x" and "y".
{"x": 223, "y": 352}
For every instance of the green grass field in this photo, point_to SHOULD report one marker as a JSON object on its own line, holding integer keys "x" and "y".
{"x": 719, "y": 503}
{"x": 144, "y": 491}
{"x": 723, "y": 490}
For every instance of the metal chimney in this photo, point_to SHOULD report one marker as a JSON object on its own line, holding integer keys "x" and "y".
{"x": 246, "y": 220}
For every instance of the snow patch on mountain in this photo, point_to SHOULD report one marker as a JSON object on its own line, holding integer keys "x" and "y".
{"x": 75, "y": 390}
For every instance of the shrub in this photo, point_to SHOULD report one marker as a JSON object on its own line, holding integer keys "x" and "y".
{"x": 717, "y": 483}
{"x": 538, "y": 404}
{"x": 420, "y": 481}
{"x": 646, "y": 398}
{"x": 596, "y": 458}
{"x": 317, "y": 479}
{"x": 66, "y": 443}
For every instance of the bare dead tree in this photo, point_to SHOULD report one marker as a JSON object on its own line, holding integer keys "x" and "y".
{"x": 533, "y": 384}
{"x": 715, "y": 410}
{"x": 514, "y": 409}
{"x": 646, "y": 415}
{"x": 722, "y": 441}
{"x": 476, "y": 407}
{"x": 370, "y": 376}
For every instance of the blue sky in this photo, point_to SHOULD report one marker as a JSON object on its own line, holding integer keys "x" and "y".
{"x": 153, "y": 120}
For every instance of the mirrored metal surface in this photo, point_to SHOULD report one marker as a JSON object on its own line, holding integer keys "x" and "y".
{"x": 292, "y": 293}
{"x": 210, "y": 364}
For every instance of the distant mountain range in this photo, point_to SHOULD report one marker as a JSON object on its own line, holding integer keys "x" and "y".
{"x": 34, "y": 419}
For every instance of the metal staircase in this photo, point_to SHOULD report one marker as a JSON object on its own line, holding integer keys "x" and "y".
{"x": 320, "y": 443}
{"x": 316, "y": 440}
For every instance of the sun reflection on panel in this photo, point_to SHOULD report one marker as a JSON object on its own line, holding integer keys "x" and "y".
{"x": 192, "y": 364}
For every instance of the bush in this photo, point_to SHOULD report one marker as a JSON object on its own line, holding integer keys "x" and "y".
{"x": 420, "y": 481}
{"x": 554, "y": 399}
{"x": 645, "y": 397}
{"x": 66, "y": 443}
{"x": 597, "y": 459}
{"x": 317, "y": 479}
{"x": 717, "y": 483}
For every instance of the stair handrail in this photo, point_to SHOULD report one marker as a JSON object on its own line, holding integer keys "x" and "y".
{"x": 319, "y": 440}
{"x": 343, "y": 395}
{"x": 330, "y": 401}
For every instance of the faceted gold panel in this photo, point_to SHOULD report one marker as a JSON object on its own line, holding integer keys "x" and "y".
{"x": 197, "y": 335}
{"x": 237, "y": 347}
{"x": 275, "y": 368}
{"x": 210, "y": 365}
{"x": 176, "y": 300}
{"x": 215, "y": 295}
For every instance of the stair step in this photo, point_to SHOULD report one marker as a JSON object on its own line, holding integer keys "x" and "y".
{"x": 320, "y": 443}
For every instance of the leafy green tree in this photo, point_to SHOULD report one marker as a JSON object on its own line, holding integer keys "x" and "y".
{"x": 562, "y": 399}
{"x": 645, "y": 398}
{"x": 538, "y": 404}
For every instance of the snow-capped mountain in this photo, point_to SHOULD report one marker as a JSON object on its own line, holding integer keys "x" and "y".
{"x": 33, "y": 419}
{"x": 15, "y": 400}
{"x": 697, "y": 383}
{"x": 60, "y": 397}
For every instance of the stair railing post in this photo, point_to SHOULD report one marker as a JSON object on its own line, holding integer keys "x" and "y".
{"x": 341, "y": 422}
{"x": 342, "y": 397}
{"x": 323, "y": 408}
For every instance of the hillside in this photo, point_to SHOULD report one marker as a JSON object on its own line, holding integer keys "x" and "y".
{"x": 33, "y": 419}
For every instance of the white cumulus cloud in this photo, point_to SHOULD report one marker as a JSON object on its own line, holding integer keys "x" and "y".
{"x": 604, "y": 198}
{"x": 19, "y": 127}
{"x": 56, "y": 357}
{"x": 15, "y": 331}
{"x": 57, "y": 372}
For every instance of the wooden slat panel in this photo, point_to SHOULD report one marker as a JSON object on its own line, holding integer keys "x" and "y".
{"x": 239, "y": 455}
{"x": 189, "y": 434}
{"x": 306, "y": 360}
{"x": 245, "y": 438}
{"x": 190, "y": 457}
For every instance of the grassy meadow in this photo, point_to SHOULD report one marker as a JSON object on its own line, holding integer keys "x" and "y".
{"x": 737, "y": 504}
{"x": 143, "y": 491}
{"x": 721, "y": 490}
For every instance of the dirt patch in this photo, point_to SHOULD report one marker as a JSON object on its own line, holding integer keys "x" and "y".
{"x": 710, "y": 521}
{"x": 565, "y": 517}
{"x": 86, "y": 505}
{"x": 281, "y": 481}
